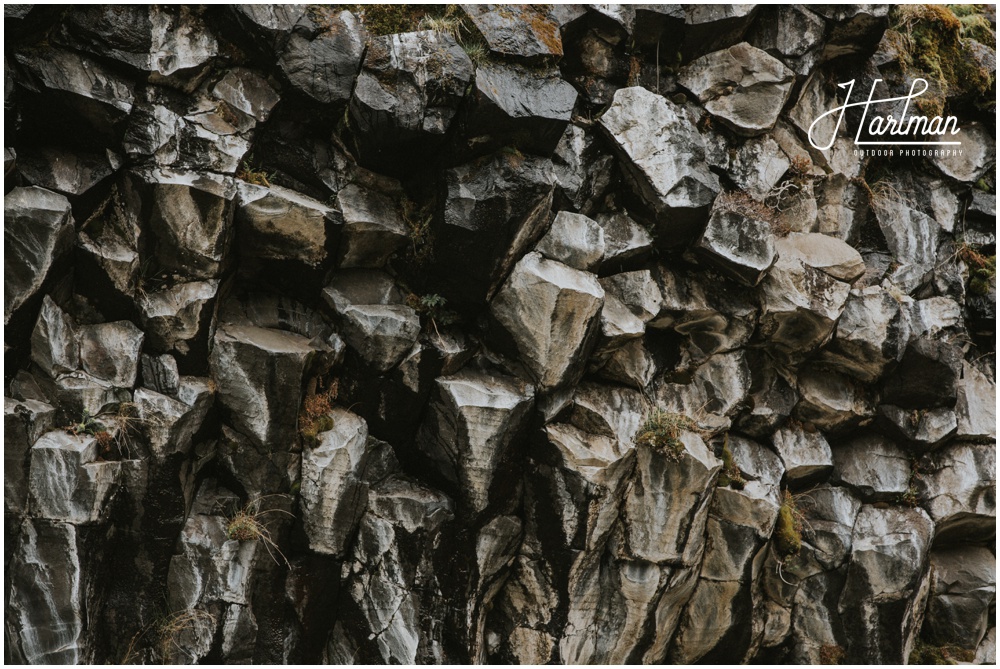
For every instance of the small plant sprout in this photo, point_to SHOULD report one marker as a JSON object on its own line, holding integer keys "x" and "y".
{"x": 432, "y": 307}
{"x": 788, "y": 530}
{"x": 252, "y": 175}
{"x": 248, "y": 524}
{"x": 662, "y": 430}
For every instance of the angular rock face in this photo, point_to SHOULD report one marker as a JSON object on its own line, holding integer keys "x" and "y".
{"x": 518, "y": 106}
{"x": 551, "y": 312}
{"x": 256, "y": 368}
{"x": 407, "y": 93}
{"x": 522, "y": 32}
{"x": 493, "y": 209}
{"x": 472, "y": 424}
{"x": 375, "y": 322}
{"x": 649, "y": 133}
{"x": 494, "y": 334}
{"x": 742, "y": 86}
{"x": 742, "y": 246}
{"x": 322, "y": 61}
{"x": 38, "y": 229}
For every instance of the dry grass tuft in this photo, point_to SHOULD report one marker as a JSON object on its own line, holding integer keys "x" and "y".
{"x": 248, "y": 524}
{"x": 662, "y": 430}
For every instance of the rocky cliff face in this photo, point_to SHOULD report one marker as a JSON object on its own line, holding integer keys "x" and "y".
{"x": 495, "y": 334}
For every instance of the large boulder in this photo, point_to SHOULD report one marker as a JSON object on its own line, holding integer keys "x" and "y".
{"x": 963, "y": 591}
{"x": 742, "y": 86}
{"x": 160, "y": 40}
{"x": 523, "y": 31}
{"x": 276, "y": 223}
{"x": 472, "y": 423}
{"x": 322, "y": 61}
{"x": 740, "y": 245}
{"x": 802, "y": 299}
{"x": 373, "y": 318}
{"x": 109, "y": 352}
{"x": 37, "y": 231}
{"x": 493, "y": 209}
{"x": 551, "y": 312}
{"x": 663, "y": 155}
{"x": 574, "y": 240}
{"x": 407, "y": 94}
{"x": 514, "y": 105}
{"x": 871, "y": 335}
{"x": 67, "y": 481}
{"x": 260, "y": 373}
{"x": 874, "y": 467}
{"x": 958, "y": 489}
{"x": 883, "y": 593}
{"x": 66, "y": 172}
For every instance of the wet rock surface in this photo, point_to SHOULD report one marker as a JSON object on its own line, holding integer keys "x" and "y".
{"x": 493, "y": 334}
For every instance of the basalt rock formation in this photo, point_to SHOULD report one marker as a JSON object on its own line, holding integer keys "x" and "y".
{"x": 499, "y": 333}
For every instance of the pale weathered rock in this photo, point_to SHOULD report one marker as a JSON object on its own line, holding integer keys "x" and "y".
{"x": 333, "y": 495}
{"x": 976, "y": 406}
{"x": 958, "y": 612}
{"x": 889, "y": 556}
{"x": 54, "y": 344}
{"x": 525, "y": 32}
{"x": 46, "y": 610}
{"x": 758, "y": 166}
{"x": 638, "y": 291}
{"x": 176, "y": 317}
{"x": 741, "y": 246}
{"x": 372, "y": 228}
{"x": 38, "y": 230}
{"x": 625, "y": 241}
{"x": 374, "y": 321}
{"x": 710, "y": 27}
{"x": 171, "y": 423}
{"x": 574, "y": 240}
{"x": 160, "y": 40}
{"x": 871, "y": 334}
{"x": 742, "y": 86}
{"x": 649, "y": 132}
{"x": 472, "y": 422}
{"x": 551, "y": 312}
{"x": 800, "y": 303}
{"x": 245, "y": 90}
{"x": 280, "y": 224}
{"x": 832, "y": 401}
{"x": 110, "y": 352}
{"x": 957, "y": 487}
{"x": 389, "y": 577}
{"x": 24, "y": 423}
{"x": 924, "y": 428}
{"x": 66, "y": 481}
{"x": 668, "y": 503}
{"x": 259, "y": 373}
{"x": 805, "y": 454}
{"x": 977, "y": 155}
{"x": 874, "y": 467}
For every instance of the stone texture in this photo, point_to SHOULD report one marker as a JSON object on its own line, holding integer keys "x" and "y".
{"x": 742, "y": 86}
{"x": 551, "y": 312}
{"x": 648, "y": 132}
{"x": 38, "y": 230}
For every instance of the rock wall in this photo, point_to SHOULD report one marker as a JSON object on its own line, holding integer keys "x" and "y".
{"x": 496, "y": 334}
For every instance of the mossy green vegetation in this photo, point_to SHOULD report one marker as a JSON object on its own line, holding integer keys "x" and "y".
{"x": 831, "y": 654}
{"x": 933, "y": 43}
{"x": 982, "y": 268}
{"x": 788, "y": 531}
{"x": 925, "y": 653}
{"x": 731, "y": 476}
